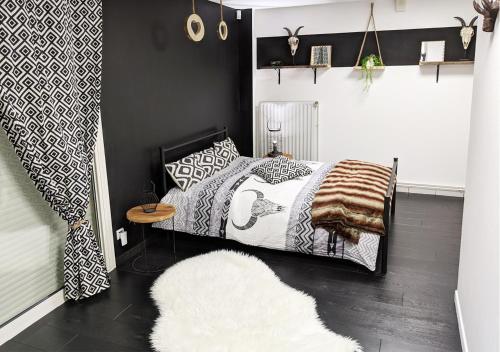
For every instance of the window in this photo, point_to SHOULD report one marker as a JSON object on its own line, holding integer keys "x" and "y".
{"x": 32, "y": 238}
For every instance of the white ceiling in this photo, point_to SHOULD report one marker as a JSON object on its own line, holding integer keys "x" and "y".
{"x": 259, "y": 4}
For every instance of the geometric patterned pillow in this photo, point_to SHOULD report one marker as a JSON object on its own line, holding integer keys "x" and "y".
{"x": 226, "y": 150}
{"x": 302, "y": 168}
{"x": 186, "y": 172}
{"x": 210, "y": 162}
{"x": 280, "y": 169}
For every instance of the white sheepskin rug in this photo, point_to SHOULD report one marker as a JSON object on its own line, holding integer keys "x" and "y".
{"x": 230, "y": 302}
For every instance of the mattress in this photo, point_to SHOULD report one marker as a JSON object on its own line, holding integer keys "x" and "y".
{"x": 236, "y": 204}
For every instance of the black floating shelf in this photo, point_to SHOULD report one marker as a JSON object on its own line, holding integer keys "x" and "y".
{"x": 399, "y": 47}
{"x": 279, "y": 68}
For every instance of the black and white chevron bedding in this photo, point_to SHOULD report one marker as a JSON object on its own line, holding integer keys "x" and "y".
{"x": 236, "y": 204}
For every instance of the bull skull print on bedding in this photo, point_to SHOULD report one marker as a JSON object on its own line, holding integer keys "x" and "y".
{"x": 293, "y": 40}
{"x": 261, "y": 207}
{"x": 467, "y": 31}
{"x": 50, "y": 84}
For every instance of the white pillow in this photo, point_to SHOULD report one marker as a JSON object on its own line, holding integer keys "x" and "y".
{"x": 209, "y": 161}
{"x": 226, "y": 150}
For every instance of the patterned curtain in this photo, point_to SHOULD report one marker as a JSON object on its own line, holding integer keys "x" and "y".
{"x": 50, "y": 83}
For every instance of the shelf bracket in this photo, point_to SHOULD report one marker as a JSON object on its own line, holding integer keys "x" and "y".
{"x": 278, "y": 70}
{"x": 315, "y": 71}
{"x": 437, "y": 73}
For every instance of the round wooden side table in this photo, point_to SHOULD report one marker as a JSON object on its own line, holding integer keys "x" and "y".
{"x": 137, "y": 215}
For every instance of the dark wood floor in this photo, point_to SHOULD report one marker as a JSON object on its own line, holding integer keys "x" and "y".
{"x": 411, "y": 309}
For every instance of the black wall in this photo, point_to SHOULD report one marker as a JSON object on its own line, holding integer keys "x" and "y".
{"x": 246, "y": 81}
{"x": 160, "y": 88}
{"x": 399, "y": 47}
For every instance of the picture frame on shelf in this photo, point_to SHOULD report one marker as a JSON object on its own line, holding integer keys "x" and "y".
{"x": 432, "y": 51}
{"x": 321, "y": 56}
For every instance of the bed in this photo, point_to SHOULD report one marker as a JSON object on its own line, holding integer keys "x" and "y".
{"x": 236, "y": 204}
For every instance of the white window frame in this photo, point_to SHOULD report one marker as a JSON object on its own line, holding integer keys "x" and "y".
{"x": 103, "y": 217}
{"x": 102, "y": 204}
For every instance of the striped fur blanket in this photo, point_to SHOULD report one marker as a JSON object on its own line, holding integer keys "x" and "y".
{"x": 351, "y": 199}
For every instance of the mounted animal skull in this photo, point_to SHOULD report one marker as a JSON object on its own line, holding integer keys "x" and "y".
{"x": 467, "y": 32}
{"x": 489, "y": 10}
{"x": 293, "y": 40}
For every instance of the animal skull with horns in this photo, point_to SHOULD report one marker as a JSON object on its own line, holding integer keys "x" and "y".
{"x": 467, "y": 32}
{"x": 489, "y": 10}
{"x": 293, "y": 40}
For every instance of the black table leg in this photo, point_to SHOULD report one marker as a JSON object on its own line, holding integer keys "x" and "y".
{"x": 142, "y": 263}
{"x": 173, "y": 237}
{"x": 145, "y": 249}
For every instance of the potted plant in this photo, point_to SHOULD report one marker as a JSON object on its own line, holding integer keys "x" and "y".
{"x": 368, "y": 64}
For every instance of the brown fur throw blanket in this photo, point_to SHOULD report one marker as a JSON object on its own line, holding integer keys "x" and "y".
{"x": 351, "y": 199}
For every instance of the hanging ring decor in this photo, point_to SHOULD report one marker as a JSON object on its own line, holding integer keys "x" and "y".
{"x": 222, "y": 30}
{"x": 194, "y": 28}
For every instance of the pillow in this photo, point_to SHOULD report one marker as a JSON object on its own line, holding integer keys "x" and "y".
{"x": 209, "y": 161}
{"x": 186, "y": 172}
{"x": 281, "y": 169}
{"x": 226, "y": 150}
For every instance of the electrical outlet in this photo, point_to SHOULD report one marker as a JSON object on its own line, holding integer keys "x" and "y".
{"x": 123, "y": 238}
{"x": 119, "y": 232}
{"x": 121, "y": 235}
{"x": 400, "y": 5}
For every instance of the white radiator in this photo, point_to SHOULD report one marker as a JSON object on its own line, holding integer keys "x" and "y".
{"x": 299, "y": 128}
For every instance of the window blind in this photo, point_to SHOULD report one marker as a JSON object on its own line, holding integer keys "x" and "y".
{"x": 32, "y": 238}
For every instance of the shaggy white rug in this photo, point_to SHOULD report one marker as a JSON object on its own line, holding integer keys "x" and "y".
{"x": 230, "y": 302}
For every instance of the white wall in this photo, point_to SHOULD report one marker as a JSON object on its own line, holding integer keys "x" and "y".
{"x": 353, "y": 16}
{"x": 478, "y": 280}
{"x": 405, "y": 113}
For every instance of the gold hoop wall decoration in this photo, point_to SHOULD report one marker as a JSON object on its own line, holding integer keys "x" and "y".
{"x": 194, "y": 27}
{"x": 222, "y": 30}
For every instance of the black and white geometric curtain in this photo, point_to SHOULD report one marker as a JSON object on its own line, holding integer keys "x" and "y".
{"x": 50, "y": 85}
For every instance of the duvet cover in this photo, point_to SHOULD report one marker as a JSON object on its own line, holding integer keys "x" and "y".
{"x": 238, "y": 205}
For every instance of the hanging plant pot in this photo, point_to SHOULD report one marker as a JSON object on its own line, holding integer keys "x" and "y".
{"x": 371, "y": 62}
{"x": 368, "y": 65}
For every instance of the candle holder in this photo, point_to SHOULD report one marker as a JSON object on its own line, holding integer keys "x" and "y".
{"x": 277, "y": 133}
{"x": 274, "y": 153}
{"x": 150, "y": 200}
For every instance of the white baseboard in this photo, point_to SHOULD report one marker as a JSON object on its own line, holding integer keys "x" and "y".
{"x": 461, "y": 327}
{"x": 435, "y": 190}
{"x": 29, "y": 317}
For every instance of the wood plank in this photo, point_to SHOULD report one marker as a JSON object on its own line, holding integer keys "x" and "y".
{"x": 458, "y": 62}
{"x": 410, "y": 309}
{"x": 163, "y": 212}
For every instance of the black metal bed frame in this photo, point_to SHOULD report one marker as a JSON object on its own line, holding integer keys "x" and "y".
{"x": 389, "y": 211}
{"x": 389, "y": 198}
